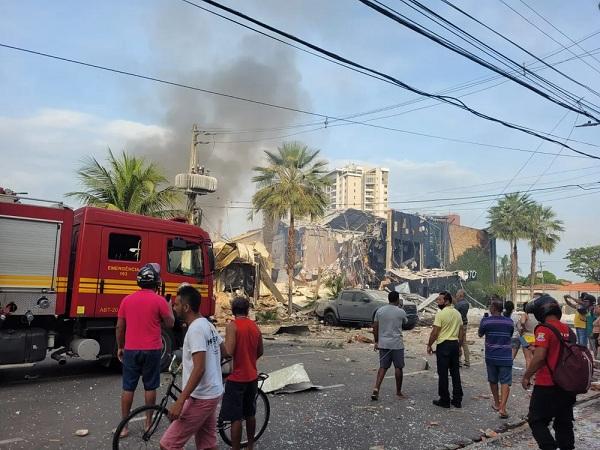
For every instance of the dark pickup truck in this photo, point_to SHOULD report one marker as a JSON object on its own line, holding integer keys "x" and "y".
{"x": 358, "y": 306}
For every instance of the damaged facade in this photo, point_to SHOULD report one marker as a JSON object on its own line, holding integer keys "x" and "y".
{"x": 366, "y": 248}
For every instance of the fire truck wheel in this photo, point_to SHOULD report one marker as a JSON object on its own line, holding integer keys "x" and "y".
{"x": 168, "y": 342}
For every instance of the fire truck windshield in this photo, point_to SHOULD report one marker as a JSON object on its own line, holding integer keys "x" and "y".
{"x": 184, "y": 258}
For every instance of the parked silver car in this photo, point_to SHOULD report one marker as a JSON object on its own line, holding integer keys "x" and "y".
{"x": 358, "y": 306}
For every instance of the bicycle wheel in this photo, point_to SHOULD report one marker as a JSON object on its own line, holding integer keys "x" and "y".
{"x": 263, "y": 412}
{"x": 139, "y": 436}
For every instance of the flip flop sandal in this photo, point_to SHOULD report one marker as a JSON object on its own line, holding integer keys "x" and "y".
{"x": 503, "y": 416}
{"x": 495, "y": 408}
{"x": 375, "y": 395}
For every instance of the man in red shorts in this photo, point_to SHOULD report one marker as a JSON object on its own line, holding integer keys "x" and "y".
{"x": 243, "y": 341}
{"x": 139, "y": 337}
{"x": 548, "y": 401}
{"x": 195, "y": 411}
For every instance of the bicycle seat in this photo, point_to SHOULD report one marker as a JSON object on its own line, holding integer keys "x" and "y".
{"x": 263, "y": 376}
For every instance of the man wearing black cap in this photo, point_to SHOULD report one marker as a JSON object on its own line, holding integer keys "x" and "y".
{"x": 549, "y": 402}
{"x": 139, "y": 343}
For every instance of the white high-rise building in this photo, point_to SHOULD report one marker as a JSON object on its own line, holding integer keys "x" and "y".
{"x": 358, "y": 187}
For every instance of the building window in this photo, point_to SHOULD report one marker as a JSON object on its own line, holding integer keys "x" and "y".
{"x": 124, "y": 247}
{"x": 184, "y": 258}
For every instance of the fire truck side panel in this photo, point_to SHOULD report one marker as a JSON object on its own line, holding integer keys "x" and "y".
{"x": 122, "y": 253}
{"x": 35, "y": 244}
{"x": 122, "y": 243}
{"x": 85, "y": 273}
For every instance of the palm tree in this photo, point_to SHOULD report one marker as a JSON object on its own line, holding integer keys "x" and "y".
{"x": 127, "y": 183}
{"x": 508, "y": 221}
{"x": 542, "y": 231}
{"x": 504, "y": 272}
{"x": 291, "y": 185}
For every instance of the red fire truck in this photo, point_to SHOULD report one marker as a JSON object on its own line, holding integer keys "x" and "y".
{"x": 63, "y": 274}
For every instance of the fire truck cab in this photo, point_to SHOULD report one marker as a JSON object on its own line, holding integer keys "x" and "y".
{"x": 63, "y": 274}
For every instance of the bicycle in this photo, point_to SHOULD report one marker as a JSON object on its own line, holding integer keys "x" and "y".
{"x": 142, "y": 436}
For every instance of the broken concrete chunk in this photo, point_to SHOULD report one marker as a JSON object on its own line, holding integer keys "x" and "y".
{"x": 81, "y": 433}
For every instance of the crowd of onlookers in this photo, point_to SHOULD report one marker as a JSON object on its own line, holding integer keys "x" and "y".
{"x": 537, "y": 331}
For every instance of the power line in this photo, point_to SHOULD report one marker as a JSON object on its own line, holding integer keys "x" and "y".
{"x": 460, "y": 188}
{"x": 593, "y": 191}
{"x": 477, "y": 43}
{"x": 522, "y": 48}
{"x": 403, "y": 20}
{"x": 484, "y": 197}
{"x": 544, "y": 33}
{"x": 527, "y": 161}
{"x": 553, "y": 159}
{"x": 450, "y": 100}
{"x": 556, "y": 28}
{"x": 324, "y": 116}
{"x": 462, "y": 86}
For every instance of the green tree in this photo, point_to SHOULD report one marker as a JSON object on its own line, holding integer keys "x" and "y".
{"x": 292, "y": 185}
{"x": 585, "y": 262}
{"x": 477, "y": 259}
{"x": 508, "y": 221}
{"x": 125, "y": 183}
{"x": 546, "y": 277}
{"x": 543, "y": 230}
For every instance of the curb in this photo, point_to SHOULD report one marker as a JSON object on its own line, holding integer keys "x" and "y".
{"x": 516, "y": 427}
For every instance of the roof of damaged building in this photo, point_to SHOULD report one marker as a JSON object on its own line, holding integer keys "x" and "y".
{"x": 350, "y": 220}
{"x": 230, "y": 252}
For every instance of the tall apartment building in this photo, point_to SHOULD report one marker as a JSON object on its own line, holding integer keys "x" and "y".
{"x": 360, "y": 188}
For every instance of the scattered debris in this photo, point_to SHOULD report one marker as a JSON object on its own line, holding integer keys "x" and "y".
{"x": 300, "y": 330}
{"x": 289, "y": 380}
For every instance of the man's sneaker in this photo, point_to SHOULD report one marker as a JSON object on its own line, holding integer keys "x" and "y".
{"x": 441, "y": 404}
{"x": 456, "y": 404}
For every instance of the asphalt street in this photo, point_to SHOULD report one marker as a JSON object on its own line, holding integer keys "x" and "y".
{"x": 42, "y": 407}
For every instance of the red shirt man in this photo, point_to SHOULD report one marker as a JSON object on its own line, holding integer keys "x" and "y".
{"x": 549, "y": 402}
{"x": 243, "y": 341}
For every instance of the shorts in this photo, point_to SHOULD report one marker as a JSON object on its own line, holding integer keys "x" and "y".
{"x": 239, "y": 400}
{"x": 199, "y": 418}
{"x": 515, "y": 343}
{"x": 499, "y": 374}
{"x": 141, "y": 363}
{"x": 386, "y": 357}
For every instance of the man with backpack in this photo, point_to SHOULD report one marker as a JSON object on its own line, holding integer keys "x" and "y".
{"x": 562, "y": 370}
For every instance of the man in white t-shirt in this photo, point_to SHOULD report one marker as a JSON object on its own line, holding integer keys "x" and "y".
{"x": 195, "y": 411}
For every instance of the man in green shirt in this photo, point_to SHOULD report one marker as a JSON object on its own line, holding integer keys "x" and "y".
{"x": 448, "y": 335}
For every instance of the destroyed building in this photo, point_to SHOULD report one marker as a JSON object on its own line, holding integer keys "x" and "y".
{"x": 364, "y": 247}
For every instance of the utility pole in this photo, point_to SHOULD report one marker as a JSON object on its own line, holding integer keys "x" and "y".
{"x": 196, "y": 181}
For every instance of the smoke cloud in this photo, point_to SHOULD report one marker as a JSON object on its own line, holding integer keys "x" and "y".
{"x": 257, "y": 69}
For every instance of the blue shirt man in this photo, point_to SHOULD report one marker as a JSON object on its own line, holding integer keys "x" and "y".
{"x": 498, "y": 331}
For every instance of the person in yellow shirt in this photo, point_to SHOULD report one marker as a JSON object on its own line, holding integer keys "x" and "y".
{"x": 581, "y": 305}
{"x": 448, "y": 335}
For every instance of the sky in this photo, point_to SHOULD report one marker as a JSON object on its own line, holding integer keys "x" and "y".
{"x": 54, "y": 114}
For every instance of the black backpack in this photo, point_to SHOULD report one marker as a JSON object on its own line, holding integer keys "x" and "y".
{"x": 575, "y": 365}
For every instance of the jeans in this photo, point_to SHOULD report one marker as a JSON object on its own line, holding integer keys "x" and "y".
{"x": 447, "y": 355}
{"x": 582, "y": 336}
{"x": 465, "y": 348}
{"x": 548, "y": 403}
